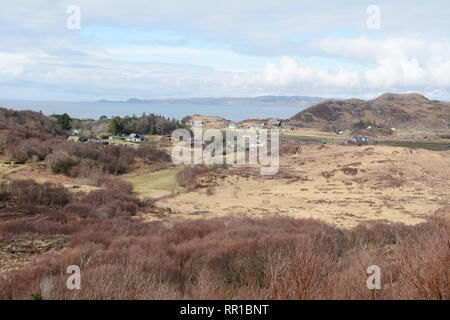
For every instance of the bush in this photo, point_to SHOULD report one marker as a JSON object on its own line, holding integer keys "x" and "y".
{"x": 30, "y": 193}
{"x": 187, "y": 176}
{"x": 61, "y": 162}
{"x": 268, "y": 258}
{"x": 151, "y": 154}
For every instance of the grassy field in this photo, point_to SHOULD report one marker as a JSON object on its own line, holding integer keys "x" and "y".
{"x": 318, "y": 137}
{"x": 340, "y": 185}
{"x": 315, "y": 138}
{"x": 155, "y": 184}
{"x": 443, "y": 145}
{"x": 8, "y": 168}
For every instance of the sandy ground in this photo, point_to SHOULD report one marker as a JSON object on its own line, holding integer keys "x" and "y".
{"x": 342, "y": 185}
{"x": 38, "y": 172}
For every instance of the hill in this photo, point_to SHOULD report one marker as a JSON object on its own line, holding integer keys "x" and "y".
{"x": 390, "y": 110}
{"x": 281, "y": 101}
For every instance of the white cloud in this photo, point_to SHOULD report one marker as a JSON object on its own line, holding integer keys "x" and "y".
{"x": 408, "y": 53}
{"x": 12, "y": 64}
{"x": 289, "y": 73}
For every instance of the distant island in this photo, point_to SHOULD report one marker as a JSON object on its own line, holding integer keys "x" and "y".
{"x": 272, "y": 101}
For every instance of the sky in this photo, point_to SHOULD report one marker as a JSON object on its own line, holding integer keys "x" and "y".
{"x": 181, "y": 49}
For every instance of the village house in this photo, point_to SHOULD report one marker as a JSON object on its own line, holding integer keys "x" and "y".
{"x": 76, "y": 132}
{"x": 277, "y": 124}
{"x": 134, "y": 137}
{"x": 360, "y": 140}
{"x": 255, "y": 126}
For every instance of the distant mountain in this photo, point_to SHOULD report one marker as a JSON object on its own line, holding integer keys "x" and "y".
{"x": 392, "y": 110}
{"x": 273, "y": 101}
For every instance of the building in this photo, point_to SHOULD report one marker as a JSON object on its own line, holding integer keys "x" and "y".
{"x": 73, "y": 138}
{"x": 99, "y": 141}
{"x": 114, "y": 138}
{"x": 255, "y": 126}
{"x": 232, "y": 126}
{"x": 277, "y": 124}
{"x": 360, "y": 140}
{"x": 134, "y": 137}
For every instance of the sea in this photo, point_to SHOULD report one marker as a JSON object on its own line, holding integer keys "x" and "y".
{"x": 94, "y": 110}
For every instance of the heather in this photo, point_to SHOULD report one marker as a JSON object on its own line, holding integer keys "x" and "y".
{"x": 122, "y": 257}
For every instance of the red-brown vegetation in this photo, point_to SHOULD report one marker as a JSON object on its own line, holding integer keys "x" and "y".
{"x": 273, "y": 258}
{"x": 187, "y": 177}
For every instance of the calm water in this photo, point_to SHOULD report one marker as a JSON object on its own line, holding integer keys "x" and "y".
{"x": 97, "y": 109}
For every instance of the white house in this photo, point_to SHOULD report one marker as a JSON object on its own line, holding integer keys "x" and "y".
{"x": 134, "y": 137}
{"x": 255, "y": 126}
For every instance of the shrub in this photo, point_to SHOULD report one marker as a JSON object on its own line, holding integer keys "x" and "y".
{"x": 269, "y": 258}
{"x": 61, "y": 162}
{"x": 81, "y": 210}
{"x": 151, "y": 154}
{"x": 30, "y": 193}
{"x": 187, "y": 176}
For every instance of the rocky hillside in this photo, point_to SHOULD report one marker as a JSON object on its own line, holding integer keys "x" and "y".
{"x": 391, "y": 110}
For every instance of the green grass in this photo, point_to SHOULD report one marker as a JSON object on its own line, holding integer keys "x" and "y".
{"x": 313, "y": 139}
{"x": 155, "y": 184}
{"x": 436, "y": 145}
{"x": 433, "y": 146}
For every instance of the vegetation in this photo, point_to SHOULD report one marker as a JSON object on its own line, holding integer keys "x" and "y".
{"x": 63, "y": 120}
{"x": 434, "y": 146}
{"x": 272, "y": 258}
{"x": 151, "y": 124}
{"x": 188, "y": 176}
{"x": 123, "y": 257}
{"x": 27, "y": 136}
{"x": 18, "y": 126}
{"x": 363, "y": 124}
{"x": 155, "y": 184}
